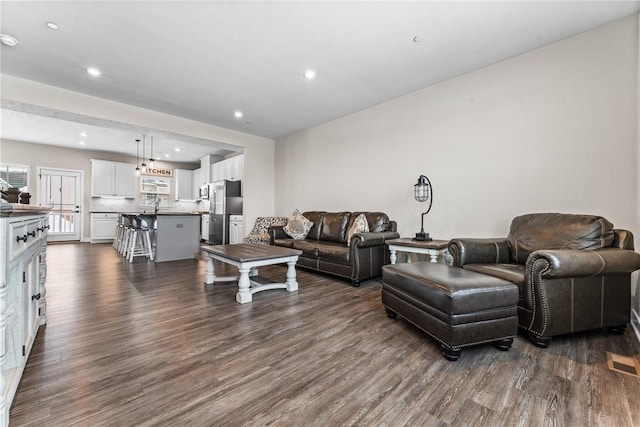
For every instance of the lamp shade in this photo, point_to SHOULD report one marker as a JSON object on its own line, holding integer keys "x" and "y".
{"x": 421, "y": 189}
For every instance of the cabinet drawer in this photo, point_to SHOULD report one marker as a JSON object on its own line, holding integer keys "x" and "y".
{"x": 22, "y": 235}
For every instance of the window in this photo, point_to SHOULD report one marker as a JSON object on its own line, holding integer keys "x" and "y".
{"x": 14, "y": 176}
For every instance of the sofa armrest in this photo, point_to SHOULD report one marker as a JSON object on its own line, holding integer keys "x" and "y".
{"x": 561, "y": 263}
{"x": 365, "y": 240}
{"x": 277, "y": 232}
{"x": 479, "y": 251}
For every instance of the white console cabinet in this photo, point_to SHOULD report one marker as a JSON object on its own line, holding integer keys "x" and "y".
{"x": 23, "y": 233}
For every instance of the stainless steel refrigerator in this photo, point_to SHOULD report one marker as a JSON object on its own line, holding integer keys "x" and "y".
{"x": 225, "y": 198}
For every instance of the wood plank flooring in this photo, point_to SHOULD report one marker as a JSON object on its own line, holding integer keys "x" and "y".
{"x": 147, "y": 344}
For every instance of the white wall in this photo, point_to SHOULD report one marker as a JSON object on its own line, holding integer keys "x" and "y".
{"x": 554, "y": 129}
{"x": 258, "y": 184}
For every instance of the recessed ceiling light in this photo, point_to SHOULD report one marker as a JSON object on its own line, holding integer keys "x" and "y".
{"x": 309, "y": 74}
{"x": 94, "y": 71}
{"x": 8, "y": 40}
{"x": 81, "y": 142}
{"x": 52, "y": 25}
{"x": 167, "y": 155}
{"x": 237, "y": 114}
{"x": 177, "y": 149}
{"x": 83, "y": 134}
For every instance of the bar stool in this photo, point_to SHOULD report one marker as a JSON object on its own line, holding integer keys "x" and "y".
{"x": 139, "y": 243}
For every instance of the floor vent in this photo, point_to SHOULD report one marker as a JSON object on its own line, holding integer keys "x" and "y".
{"x": 623, "y": 364}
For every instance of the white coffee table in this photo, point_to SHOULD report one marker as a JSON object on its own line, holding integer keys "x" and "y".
{"x": 248, "y": 257}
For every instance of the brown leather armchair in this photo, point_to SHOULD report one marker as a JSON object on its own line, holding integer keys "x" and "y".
{"x": 573, "y": 271}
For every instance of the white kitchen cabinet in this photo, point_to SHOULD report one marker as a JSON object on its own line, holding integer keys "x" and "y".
{"x": 196, "y": 183}
{"x": 22, "y": 298}
{"x": 113, "y": 179}
{"x": 236, "y": 229}
{"x": 103, "y": 226}
{"x": 230, "y": 169}
{"x": 184, "y": 185}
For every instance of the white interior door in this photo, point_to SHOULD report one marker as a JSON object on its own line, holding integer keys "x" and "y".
{"x": 62, "y": 191}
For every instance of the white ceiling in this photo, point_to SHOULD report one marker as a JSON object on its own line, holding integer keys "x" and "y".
{"x": 204, "y": 60}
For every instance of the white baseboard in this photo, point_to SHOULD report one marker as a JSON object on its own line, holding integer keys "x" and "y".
{"x": 635, "y": 323}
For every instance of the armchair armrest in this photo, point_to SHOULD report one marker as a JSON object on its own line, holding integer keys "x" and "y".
{"x": 479, "y": 251}
{"x": 560, "y": 263}
{"x": 365, "y": 240}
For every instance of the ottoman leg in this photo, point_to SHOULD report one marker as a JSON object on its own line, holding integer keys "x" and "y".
{"x": 504, "y": 344}
{"x": 390, "y": 313}
{"x": 450, "y": 353}
{"x": 617, "y": 330}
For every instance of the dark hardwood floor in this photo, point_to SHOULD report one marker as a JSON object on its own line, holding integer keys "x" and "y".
{"x": 148, "y": 344}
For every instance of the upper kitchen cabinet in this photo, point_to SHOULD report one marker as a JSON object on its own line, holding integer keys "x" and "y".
{"x": 184, "y": 184}
{"x": 113, "y": 179}
{"x": 230, "y": 169}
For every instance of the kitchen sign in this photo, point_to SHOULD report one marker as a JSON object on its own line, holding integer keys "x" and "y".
{"x": 159, "y": 172}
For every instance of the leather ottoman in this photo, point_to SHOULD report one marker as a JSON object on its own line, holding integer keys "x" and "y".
{"x": 457, "y": 307}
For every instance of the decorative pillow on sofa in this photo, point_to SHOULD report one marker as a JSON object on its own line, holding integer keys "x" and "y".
{"x": 298, "y": 226}
{"x": 360, "y": 225}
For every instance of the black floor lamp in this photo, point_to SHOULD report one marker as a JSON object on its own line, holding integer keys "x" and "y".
{"x": 422, "y": 192}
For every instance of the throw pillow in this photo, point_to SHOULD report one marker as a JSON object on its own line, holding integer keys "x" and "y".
{"x": 298, "y": 226}
{"x": 360, "y": 225}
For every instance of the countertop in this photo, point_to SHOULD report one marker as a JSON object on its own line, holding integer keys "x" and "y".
{"x": 163, "y": 213}
{"x": 179, "y": 213}
{"x": 13, "y": 209}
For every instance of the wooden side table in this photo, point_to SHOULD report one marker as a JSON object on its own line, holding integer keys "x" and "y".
{"x": 406, "y": 244}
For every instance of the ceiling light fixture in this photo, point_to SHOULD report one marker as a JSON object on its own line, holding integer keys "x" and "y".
{"x": 94, "y": 71}
{"x": 137, "y": 157}
{"x": 8, "y": 40}
{"x": 83, "y": 134}
{"x": 152, "y": 161}
{"x": 309, "y": 74}
{"x": 143, "y": 164}
{"x": 238, "y": 114}
{"x": 81, "y": 142}
{"x": 177, "y": 149}
{"x": 52, "y": 25}
{"x": 167, "y": 155}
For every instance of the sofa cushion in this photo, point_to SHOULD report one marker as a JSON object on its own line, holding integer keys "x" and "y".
{"x": 326, "y": 251}
{"x": 358, "y": 225}
{"x": 298, "y": 226}
{"x": 532, "y": 232}
{"x": 316, "y": 218}
{"x": 378, "y": 221}
{"x": 334, "y": 227}
{"x": 309, "y": 248}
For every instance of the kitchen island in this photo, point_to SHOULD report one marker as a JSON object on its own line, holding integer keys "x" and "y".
{"x": 175, "y": 236}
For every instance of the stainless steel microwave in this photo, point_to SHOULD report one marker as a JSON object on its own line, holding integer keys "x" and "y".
{"x": 204, "y": 192}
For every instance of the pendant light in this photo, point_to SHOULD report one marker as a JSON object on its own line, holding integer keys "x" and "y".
{"x": 144, "y": 165}
{"x": 152, "y": 162}
{"x": 137, "y": 157}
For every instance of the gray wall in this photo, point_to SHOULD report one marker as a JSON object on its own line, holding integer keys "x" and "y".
{"x": 554, "y": 129}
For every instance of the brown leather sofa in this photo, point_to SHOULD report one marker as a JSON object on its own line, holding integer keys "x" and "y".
{"x": 325, "y": 247}
{"x": 573, "y": 271}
